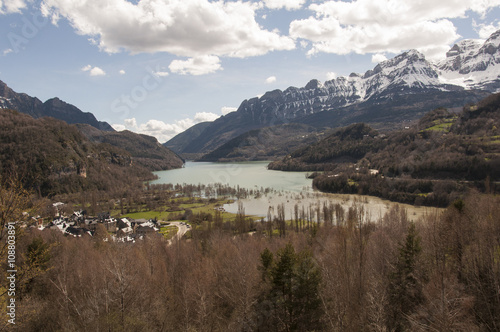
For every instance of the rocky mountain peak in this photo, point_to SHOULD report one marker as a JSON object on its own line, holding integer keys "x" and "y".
{"x": 275, "y": 94}
{"x": 313, "y": 84}
{"x": 7, "y": 92}
{"x": 3, "y": 87}
{"x": 492, "y": 44}
{"x": 406, "y": 58}
{"x": 464, "y": 47}
{"x": 473, "y": 64}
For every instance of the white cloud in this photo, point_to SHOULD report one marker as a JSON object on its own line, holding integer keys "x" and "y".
{"x": 7, "y": 51}
{"x": 131, "y": 123}
{"x": 379, "y": 57}
{"x": 94, "y": 71}
{"x": 122, "y": 72}
{"x": 271, "y": 79}
{"x": 287, "y": 4}
{"x": 161, "y": 130}
{"x": 384, "y": 26}
{"x": 331, "y": 76}
{"x": 485, "y": 30}
{"x": 201, "y": 65}
{"x": 205, "y": 116}
{"x": 226, "y": 110}
{"x": 161, "y": 73}
{"x": 119, "y": 127}
{"x": 11, "y": 6}
{"x": 187, "y": 28}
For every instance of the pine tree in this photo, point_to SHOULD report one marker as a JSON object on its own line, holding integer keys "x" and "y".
{"x": 291, "y": 297}
{"x": 405, "y": 286}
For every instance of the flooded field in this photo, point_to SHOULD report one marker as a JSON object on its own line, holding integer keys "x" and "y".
{"x": 288, "y": 188}
{"x": 374, "y": 207}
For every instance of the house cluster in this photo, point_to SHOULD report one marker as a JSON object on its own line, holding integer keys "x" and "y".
{"x": 122, "y": 229}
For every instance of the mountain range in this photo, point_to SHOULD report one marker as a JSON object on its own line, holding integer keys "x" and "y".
{"x": 396, "y": 91}
{"x": 54, "y": 107}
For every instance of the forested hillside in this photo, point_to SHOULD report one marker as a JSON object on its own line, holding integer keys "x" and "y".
{"x": 266, "y": 143}
{"x": 430, "y": 163}
{"x": 51, "y": 157}
{"x": 144, "y": 150}
{"x": 346, "y": 145}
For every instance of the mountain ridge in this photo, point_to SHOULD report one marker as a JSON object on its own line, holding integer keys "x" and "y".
{"x": 54, "y": 107}
{"x": 398, "y": 89}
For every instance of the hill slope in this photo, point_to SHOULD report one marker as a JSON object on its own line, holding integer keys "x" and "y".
{"x": 345, "y": 145}
{"x": 144, "y": 150}
{"x": 266, "y": 143}
{"x": 53, "y": 157}
{"x": 179, "y": 142}
{"x": 430, "y": 163}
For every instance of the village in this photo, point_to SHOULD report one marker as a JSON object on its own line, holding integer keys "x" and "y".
{"x": 79, "y": 224}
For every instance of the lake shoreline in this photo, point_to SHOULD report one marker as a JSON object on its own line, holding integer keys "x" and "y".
{"x": 287, "y": 188}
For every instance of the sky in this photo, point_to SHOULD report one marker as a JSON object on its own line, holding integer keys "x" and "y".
{"x": 160, "y": 66}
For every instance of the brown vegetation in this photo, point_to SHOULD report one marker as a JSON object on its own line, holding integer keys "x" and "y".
{"x": 349, "y": 273}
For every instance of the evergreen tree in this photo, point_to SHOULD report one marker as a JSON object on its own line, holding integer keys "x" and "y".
{"x": 292, "y": 293}
{"x": 405, "y": 286}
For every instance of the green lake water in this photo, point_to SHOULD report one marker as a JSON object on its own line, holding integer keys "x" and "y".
{"x": 249, "y": 175}
{"x": 290, "y": 189}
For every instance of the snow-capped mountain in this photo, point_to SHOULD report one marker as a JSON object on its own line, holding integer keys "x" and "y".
{"x": 398, "y": 89}
{"x": 473, "y": 64}
{"x": 470, "y": 64}
{"x": 407, "y": 73}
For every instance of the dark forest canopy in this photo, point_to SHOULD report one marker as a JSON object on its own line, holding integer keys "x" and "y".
{"x": 145, "y": 150}
{"x": 52, "y": 157}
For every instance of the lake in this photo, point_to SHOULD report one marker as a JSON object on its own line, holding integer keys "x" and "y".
{"x": 249, "y": 175}
{"x": 290, "y": 188}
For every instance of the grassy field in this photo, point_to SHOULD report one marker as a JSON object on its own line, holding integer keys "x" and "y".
{"x": 182, "y": 204}
{"x": 147, "y": 215}
{"x": 169, "y": 231}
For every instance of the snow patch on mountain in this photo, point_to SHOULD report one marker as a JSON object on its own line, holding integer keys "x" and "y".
{"x": 469, "y": 65}
{"x": 473, "y": 64}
